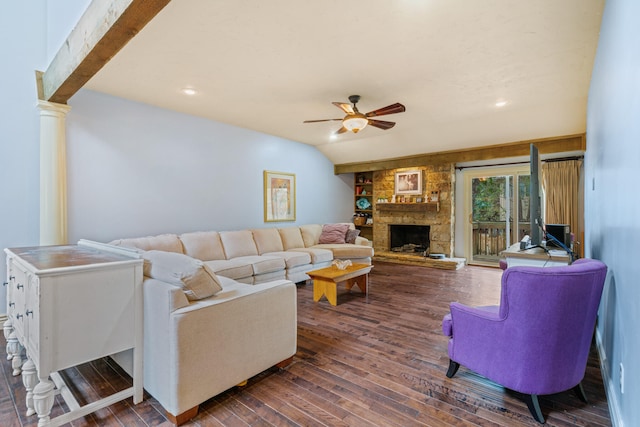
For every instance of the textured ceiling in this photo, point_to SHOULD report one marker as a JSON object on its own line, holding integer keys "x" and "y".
{"x": 270, "y": 65}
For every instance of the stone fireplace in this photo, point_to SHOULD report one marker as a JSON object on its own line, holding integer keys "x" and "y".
{"x": 408, "y": 238}
{"x": 438, "y": 218}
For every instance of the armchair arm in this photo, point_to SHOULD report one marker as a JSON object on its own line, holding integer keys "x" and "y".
{"x": 479, "y": 329}
{"x": 488, "y": 312}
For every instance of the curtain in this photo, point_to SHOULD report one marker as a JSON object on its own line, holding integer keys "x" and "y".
{"x": 561, "y": 181}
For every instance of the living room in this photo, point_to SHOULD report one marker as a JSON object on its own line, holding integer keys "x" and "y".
{"x": 136, "y": 173}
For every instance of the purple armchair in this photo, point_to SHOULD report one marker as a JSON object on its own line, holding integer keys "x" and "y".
{"x": 537, "y": 341}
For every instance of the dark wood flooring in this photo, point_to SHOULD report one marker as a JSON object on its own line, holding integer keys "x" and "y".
{"x": 378, "y": 360}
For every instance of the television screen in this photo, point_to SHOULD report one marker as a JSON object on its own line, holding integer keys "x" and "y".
{"x": 558, "y": 235}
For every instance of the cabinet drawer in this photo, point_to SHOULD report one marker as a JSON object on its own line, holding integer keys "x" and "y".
{"x": 16, "y": 297}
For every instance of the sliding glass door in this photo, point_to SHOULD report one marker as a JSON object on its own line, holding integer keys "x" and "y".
{"x": 497, "y": 206}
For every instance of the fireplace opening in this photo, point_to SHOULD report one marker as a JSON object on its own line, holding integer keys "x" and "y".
{"x": 409, "y": 238}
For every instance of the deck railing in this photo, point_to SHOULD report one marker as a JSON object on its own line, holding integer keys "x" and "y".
{"x": 490, "y": 238}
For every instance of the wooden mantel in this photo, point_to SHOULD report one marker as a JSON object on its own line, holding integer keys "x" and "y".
{"x": 560, "y": 144}
{"x": 406, "y": 207}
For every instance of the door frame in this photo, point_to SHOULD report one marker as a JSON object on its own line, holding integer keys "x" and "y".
{"x": 490, "y": 171}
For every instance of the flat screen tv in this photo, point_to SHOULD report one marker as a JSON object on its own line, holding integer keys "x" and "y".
{"x": 535, "y": 197}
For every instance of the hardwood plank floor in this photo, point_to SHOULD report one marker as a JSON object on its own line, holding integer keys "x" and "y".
{"x": 376, "y": 360}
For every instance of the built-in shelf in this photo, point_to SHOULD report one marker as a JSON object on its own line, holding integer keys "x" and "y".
{"x": 399, "y": 207}
{"x": 363, "y": 183}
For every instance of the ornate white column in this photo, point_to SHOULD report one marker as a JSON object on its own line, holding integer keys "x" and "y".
{"x": 53, "y": 173}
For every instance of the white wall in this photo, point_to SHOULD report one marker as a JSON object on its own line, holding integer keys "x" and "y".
{"x": 152, "y": 170}
{"x": 612, "y": 206}
{"x": 137, "y": 170}
{"x": 19, "y": 126}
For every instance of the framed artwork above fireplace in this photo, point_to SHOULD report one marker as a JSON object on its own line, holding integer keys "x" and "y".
{"x": 409, "y": 182}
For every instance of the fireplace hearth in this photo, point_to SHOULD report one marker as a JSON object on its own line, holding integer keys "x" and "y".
{"x": 409, "y": 238}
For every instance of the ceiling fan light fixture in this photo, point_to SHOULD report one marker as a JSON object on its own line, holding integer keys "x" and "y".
{"x": 355, "y": 123}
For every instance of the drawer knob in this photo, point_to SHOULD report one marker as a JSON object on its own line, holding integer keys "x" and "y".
{"x": 29, "y": 313}
{"x": 12, "y": 304}
{"x": 19, "y": 316}
{"x": 5, "y": 283}
{"x": 12, "y": 278}
{"x": 20, "y": 286}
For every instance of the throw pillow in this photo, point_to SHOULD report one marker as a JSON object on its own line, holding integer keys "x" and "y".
{"x": 196, "y": 279}
{"x": 351, "y": 236}
{"x": 333, "y": 233}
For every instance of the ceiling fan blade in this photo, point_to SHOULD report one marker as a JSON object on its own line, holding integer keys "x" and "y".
{"x": 323, "y": 120}
{"x": 389, "y": 109}
{"x": 381, "y": 124}
{"x": 341, "y": 130}
{"x": 347, "y": 108}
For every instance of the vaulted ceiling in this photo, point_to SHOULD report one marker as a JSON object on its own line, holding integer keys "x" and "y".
{"x": 270, "y": 65}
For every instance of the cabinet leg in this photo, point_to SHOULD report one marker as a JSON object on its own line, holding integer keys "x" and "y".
{"x": 7, "y": 328}
{"x": 29, "y": 379}
{"x": 14, "y": 349}
{"x": 43, "y": 396}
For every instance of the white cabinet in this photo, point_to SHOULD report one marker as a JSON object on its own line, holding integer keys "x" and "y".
{"x": 68, "y": 305}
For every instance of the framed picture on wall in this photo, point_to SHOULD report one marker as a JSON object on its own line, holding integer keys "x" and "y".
{"x": 279, "y": 196}
{"x": 409, "y": 182}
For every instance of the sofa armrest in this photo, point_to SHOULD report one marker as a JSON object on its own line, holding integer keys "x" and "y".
{"x": 162, "y": 298}
{"x": 363, "y": 241}
{"x": 212, "y": 344}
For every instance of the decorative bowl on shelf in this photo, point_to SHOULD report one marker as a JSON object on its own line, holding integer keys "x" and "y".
{"x": 341, "y": 264}
{"x": 363, "y": 203}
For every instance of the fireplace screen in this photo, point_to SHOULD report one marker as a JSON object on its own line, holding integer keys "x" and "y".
{"x": 409, "y": 238}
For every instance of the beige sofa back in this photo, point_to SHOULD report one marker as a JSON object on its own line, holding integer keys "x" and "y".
{"x": 227, "y": 245}
{"x": 291, "y": 238}
{"x": 203, "y": 245}
{"x": 238, "y": 243}
{"x": 161, "y": 242}
{"x": 267, "y": 240}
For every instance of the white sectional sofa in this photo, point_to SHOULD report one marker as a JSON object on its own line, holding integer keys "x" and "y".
{"x": 260, "y": 255}
{"x": 220, "y": 307}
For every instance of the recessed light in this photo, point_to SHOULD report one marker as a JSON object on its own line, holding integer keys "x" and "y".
{"x": 189, "y": 91}
{"x": 501, "y": 103}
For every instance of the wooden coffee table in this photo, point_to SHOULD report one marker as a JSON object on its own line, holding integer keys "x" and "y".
{"x": 325, "y": 280}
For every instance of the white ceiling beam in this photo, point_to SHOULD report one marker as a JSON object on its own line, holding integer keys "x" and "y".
{"x": 104, "y": 29}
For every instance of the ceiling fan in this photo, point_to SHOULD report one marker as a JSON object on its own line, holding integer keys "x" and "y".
{"x": 355, "y": 121}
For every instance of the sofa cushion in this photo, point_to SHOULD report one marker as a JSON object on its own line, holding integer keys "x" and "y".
{"x": 351, "y": 236}
{"x": 162, "y": 242}
{"x": 333, "y": 233}
{"x": 299, "y": 274}
{"x": 262, "y": 264}
{"x": 346, "y": 250}
{"x": 269, "y": 277}
{"x": 292, "y": 259}
{"x": 291, "y": 238}
{"x": 195, "y": 278}
{"x": 238, "y": 243}
{"x": 267, "y": 240}
{"x": 203, "y": 245}
{"x": 318, "y": 255}
{"x": 310, "y": 234}
{"x": 231, "y": 268}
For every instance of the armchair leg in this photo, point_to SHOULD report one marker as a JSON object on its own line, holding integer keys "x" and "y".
{"x": 534, "y": 407}
{"x": 579, "y": 391}
{"x": 453, "y": 368}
